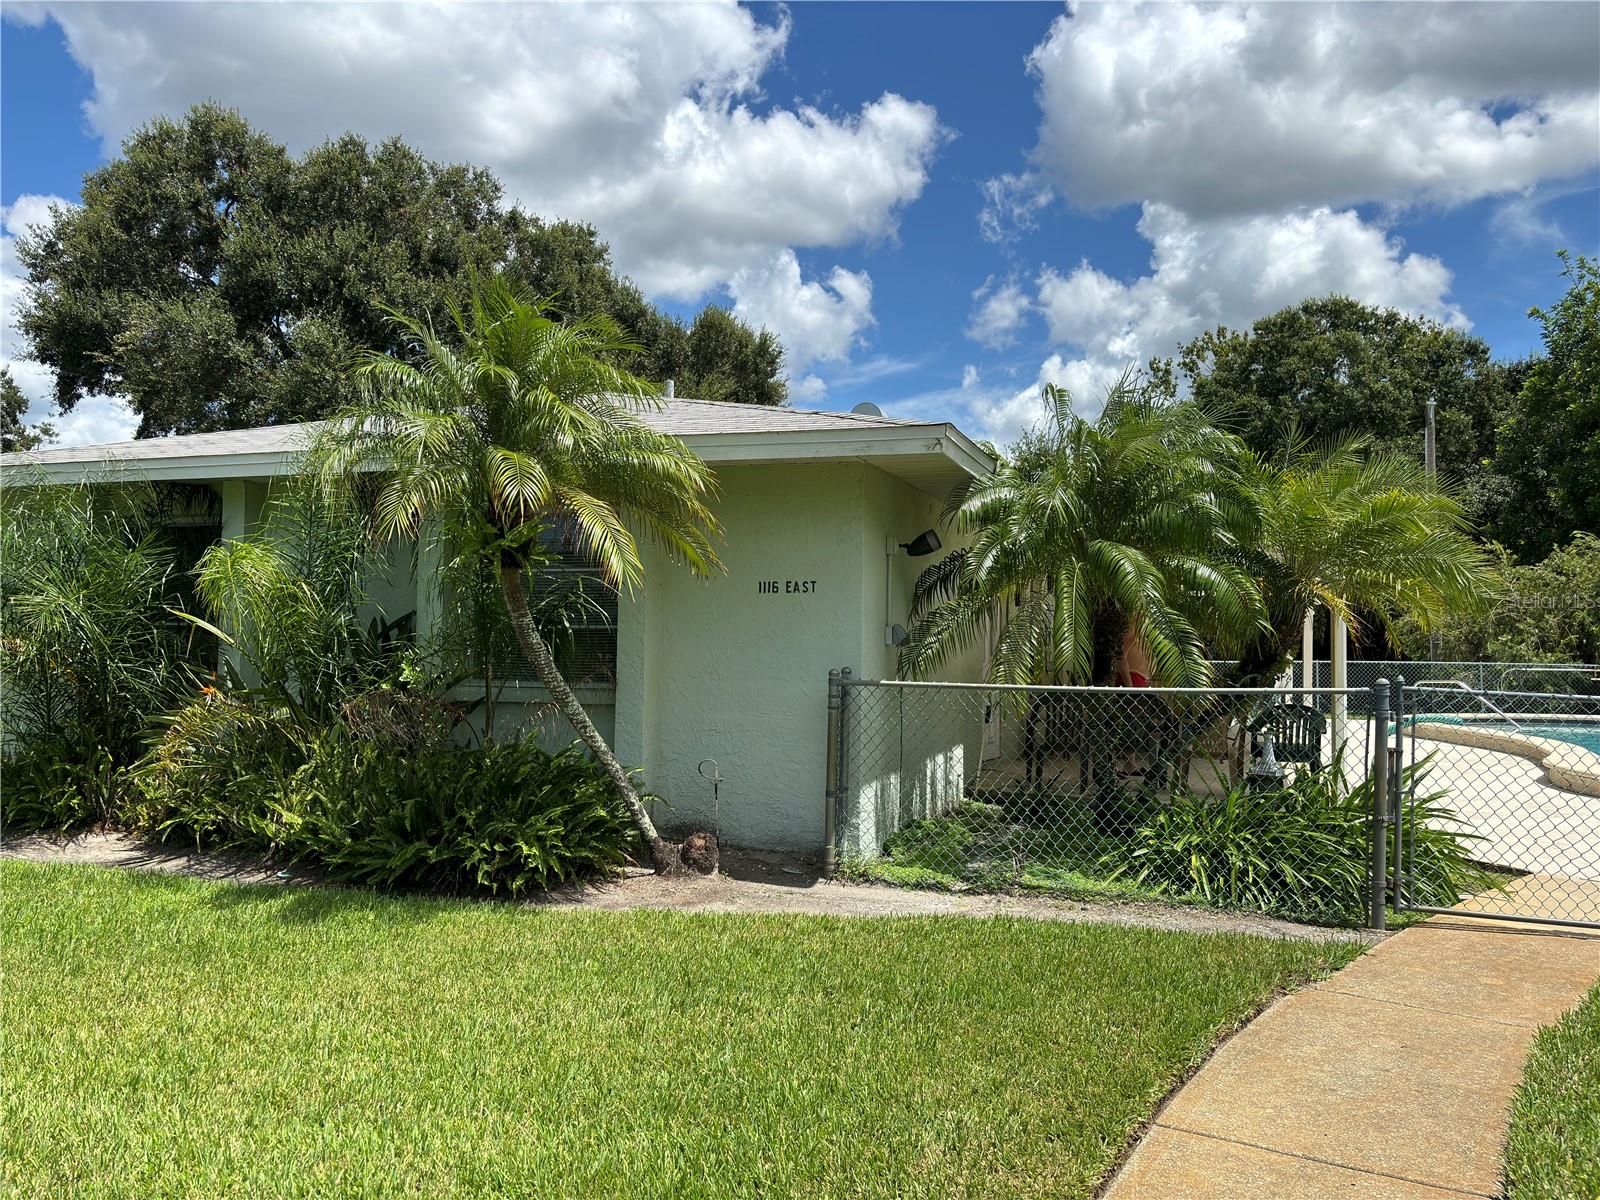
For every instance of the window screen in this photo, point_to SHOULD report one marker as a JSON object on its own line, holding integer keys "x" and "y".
{"x": 576, "y": 610}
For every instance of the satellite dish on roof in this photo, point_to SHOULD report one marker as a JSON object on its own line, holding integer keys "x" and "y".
{"x": 867, "y": 409}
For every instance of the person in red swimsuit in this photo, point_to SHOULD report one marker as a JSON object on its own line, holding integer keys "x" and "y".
{"x": 1135, "y": 669}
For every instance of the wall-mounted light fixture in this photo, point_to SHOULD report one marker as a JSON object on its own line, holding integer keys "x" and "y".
{"x": 925, "y": 543}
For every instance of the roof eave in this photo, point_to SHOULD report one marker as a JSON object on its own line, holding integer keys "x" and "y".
{"x": 749, "y": 447}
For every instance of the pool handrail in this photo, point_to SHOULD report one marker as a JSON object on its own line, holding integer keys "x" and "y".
{"x": 1479, "y": 696}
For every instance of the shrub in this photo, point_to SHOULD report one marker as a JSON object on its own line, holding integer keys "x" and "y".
{"x": 503, "y": 817}
{"x": 85, "y": 653}
{"x": 341, "y": 749}
{"x": 219, "y": 772}
{"x": 1300, "y": 851}
{"x": 389, "y": 811}
{"x": 51, "y": 785}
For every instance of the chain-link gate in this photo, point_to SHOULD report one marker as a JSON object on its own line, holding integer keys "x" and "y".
{"x": 1520, "y": 771}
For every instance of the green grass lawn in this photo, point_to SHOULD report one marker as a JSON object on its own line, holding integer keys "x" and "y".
{"x": 169, "y": 1037}
{"x": 1553, "y": 1148}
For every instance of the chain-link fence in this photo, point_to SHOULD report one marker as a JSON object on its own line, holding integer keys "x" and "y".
{"x": 1521, "y": 770}
{"x": 1362, "y": 674}
{"x": 1246, "y": 798}
{"x": 1273, "y": 800}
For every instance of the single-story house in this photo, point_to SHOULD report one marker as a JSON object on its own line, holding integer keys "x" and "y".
{"x": 817, "y": 508}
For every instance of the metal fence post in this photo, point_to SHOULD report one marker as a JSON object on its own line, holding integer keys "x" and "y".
{"x": 830, "y": 795}
{"x": 1397, "y": 762}
{"x": 1377, "y": 915}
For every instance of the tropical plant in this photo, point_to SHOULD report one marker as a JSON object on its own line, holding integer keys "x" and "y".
{"x": 51, "y": 784}
{"x": 1356, "y": 531}
{"x": 1085, "y": 527}
{"x": 1299, "y": 851}
{"x": 87, "y": 656}
{"x": 300, "y": 661}
{"x": 285, "y": 599}
{"x": 504, "y": 816}
{"x": 513, "y": 424}
{"x": 219, "y": 772}
{"x": 500, "y": 816}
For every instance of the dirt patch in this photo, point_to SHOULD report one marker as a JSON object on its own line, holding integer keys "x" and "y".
{"x": 749, "y": 882}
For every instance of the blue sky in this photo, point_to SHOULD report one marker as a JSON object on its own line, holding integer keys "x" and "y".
{"x": 938, "y": 207}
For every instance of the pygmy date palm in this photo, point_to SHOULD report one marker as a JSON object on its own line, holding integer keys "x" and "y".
{"x": 1085, "y": 527}
{"x": 510, "y": 424}
{"x": 1356, "y": 531}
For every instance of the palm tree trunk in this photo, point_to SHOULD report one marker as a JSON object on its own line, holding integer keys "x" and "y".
{"x": 662, "y": 854}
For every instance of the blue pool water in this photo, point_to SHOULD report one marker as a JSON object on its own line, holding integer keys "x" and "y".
{"x": 1579, "y": 733}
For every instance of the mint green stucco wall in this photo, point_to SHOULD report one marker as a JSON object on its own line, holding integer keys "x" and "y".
{"x": 910, "y": 751}
{"x": 720, "y": 669}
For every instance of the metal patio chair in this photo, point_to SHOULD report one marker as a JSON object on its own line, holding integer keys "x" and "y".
{"x": 1288, "y": 733}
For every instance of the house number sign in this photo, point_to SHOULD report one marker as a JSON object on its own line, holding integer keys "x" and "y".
{"x": 786, "y": 587}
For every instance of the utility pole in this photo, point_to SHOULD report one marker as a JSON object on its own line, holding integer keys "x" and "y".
{"x": 1429, "y": 452}
{"x": 1430, "y": 463}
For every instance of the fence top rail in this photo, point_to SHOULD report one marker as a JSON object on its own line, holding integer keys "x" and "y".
{"x": 1101, "y": 689}
{"x": 1572, "y": 665}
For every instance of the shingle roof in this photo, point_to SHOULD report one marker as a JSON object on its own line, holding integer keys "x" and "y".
{"x": 269, "y": 439}
{"x": 686, "y": 418}
{"x": 680, "y": 416}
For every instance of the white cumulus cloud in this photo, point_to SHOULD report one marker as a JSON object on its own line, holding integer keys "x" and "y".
{"x": 1205, "y": 273}
{"x": 817, "y": 322}
{"x": 1237, "y": 109}
{"x": 641, "y": 119}
{"x": 1000, "y": 308}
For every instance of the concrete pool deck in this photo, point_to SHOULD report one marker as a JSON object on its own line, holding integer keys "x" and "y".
{"x": 1524, "y": 820}
{"x": 1566, "y": 765}
{"x": 1392, "y": 1078}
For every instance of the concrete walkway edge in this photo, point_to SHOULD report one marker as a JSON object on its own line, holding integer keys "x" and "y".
{"x": 1390, "y": 1079}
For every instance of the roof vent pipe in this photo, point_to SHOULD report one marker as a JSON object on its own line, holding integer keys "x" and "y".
{"x": 669, "y": 389}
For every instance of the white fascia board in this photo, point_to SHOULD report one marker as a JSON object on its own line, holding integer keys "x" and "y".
{"x": 838, "y": 444}
{"x": 801, "y": 445}
{"x": 266, "y": 465}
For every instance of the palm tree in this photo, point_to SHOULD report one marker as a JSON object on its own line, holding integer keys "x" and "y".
{"x": 1086, "y": 526}
{"x": 1352, "y": 530}
{"x": 513, "y": 424}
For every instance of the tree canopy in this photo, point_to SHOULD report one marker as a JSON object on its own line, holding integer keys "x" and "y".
{"x": 217, "y": 281}
{"x": 1542, "y": 612}
{"x": 1550, "y": 445}
{"x": 1333, "y": 368}
{"x": 15, "y": 434}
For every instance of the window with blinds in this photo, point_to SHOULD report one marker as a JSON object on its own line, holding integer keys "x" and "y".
{"x": 576, "y": 610}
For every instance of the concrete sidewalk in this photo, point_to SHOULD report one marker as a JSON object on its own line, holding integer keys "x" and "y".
{"x": 1389, "y": 1080}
